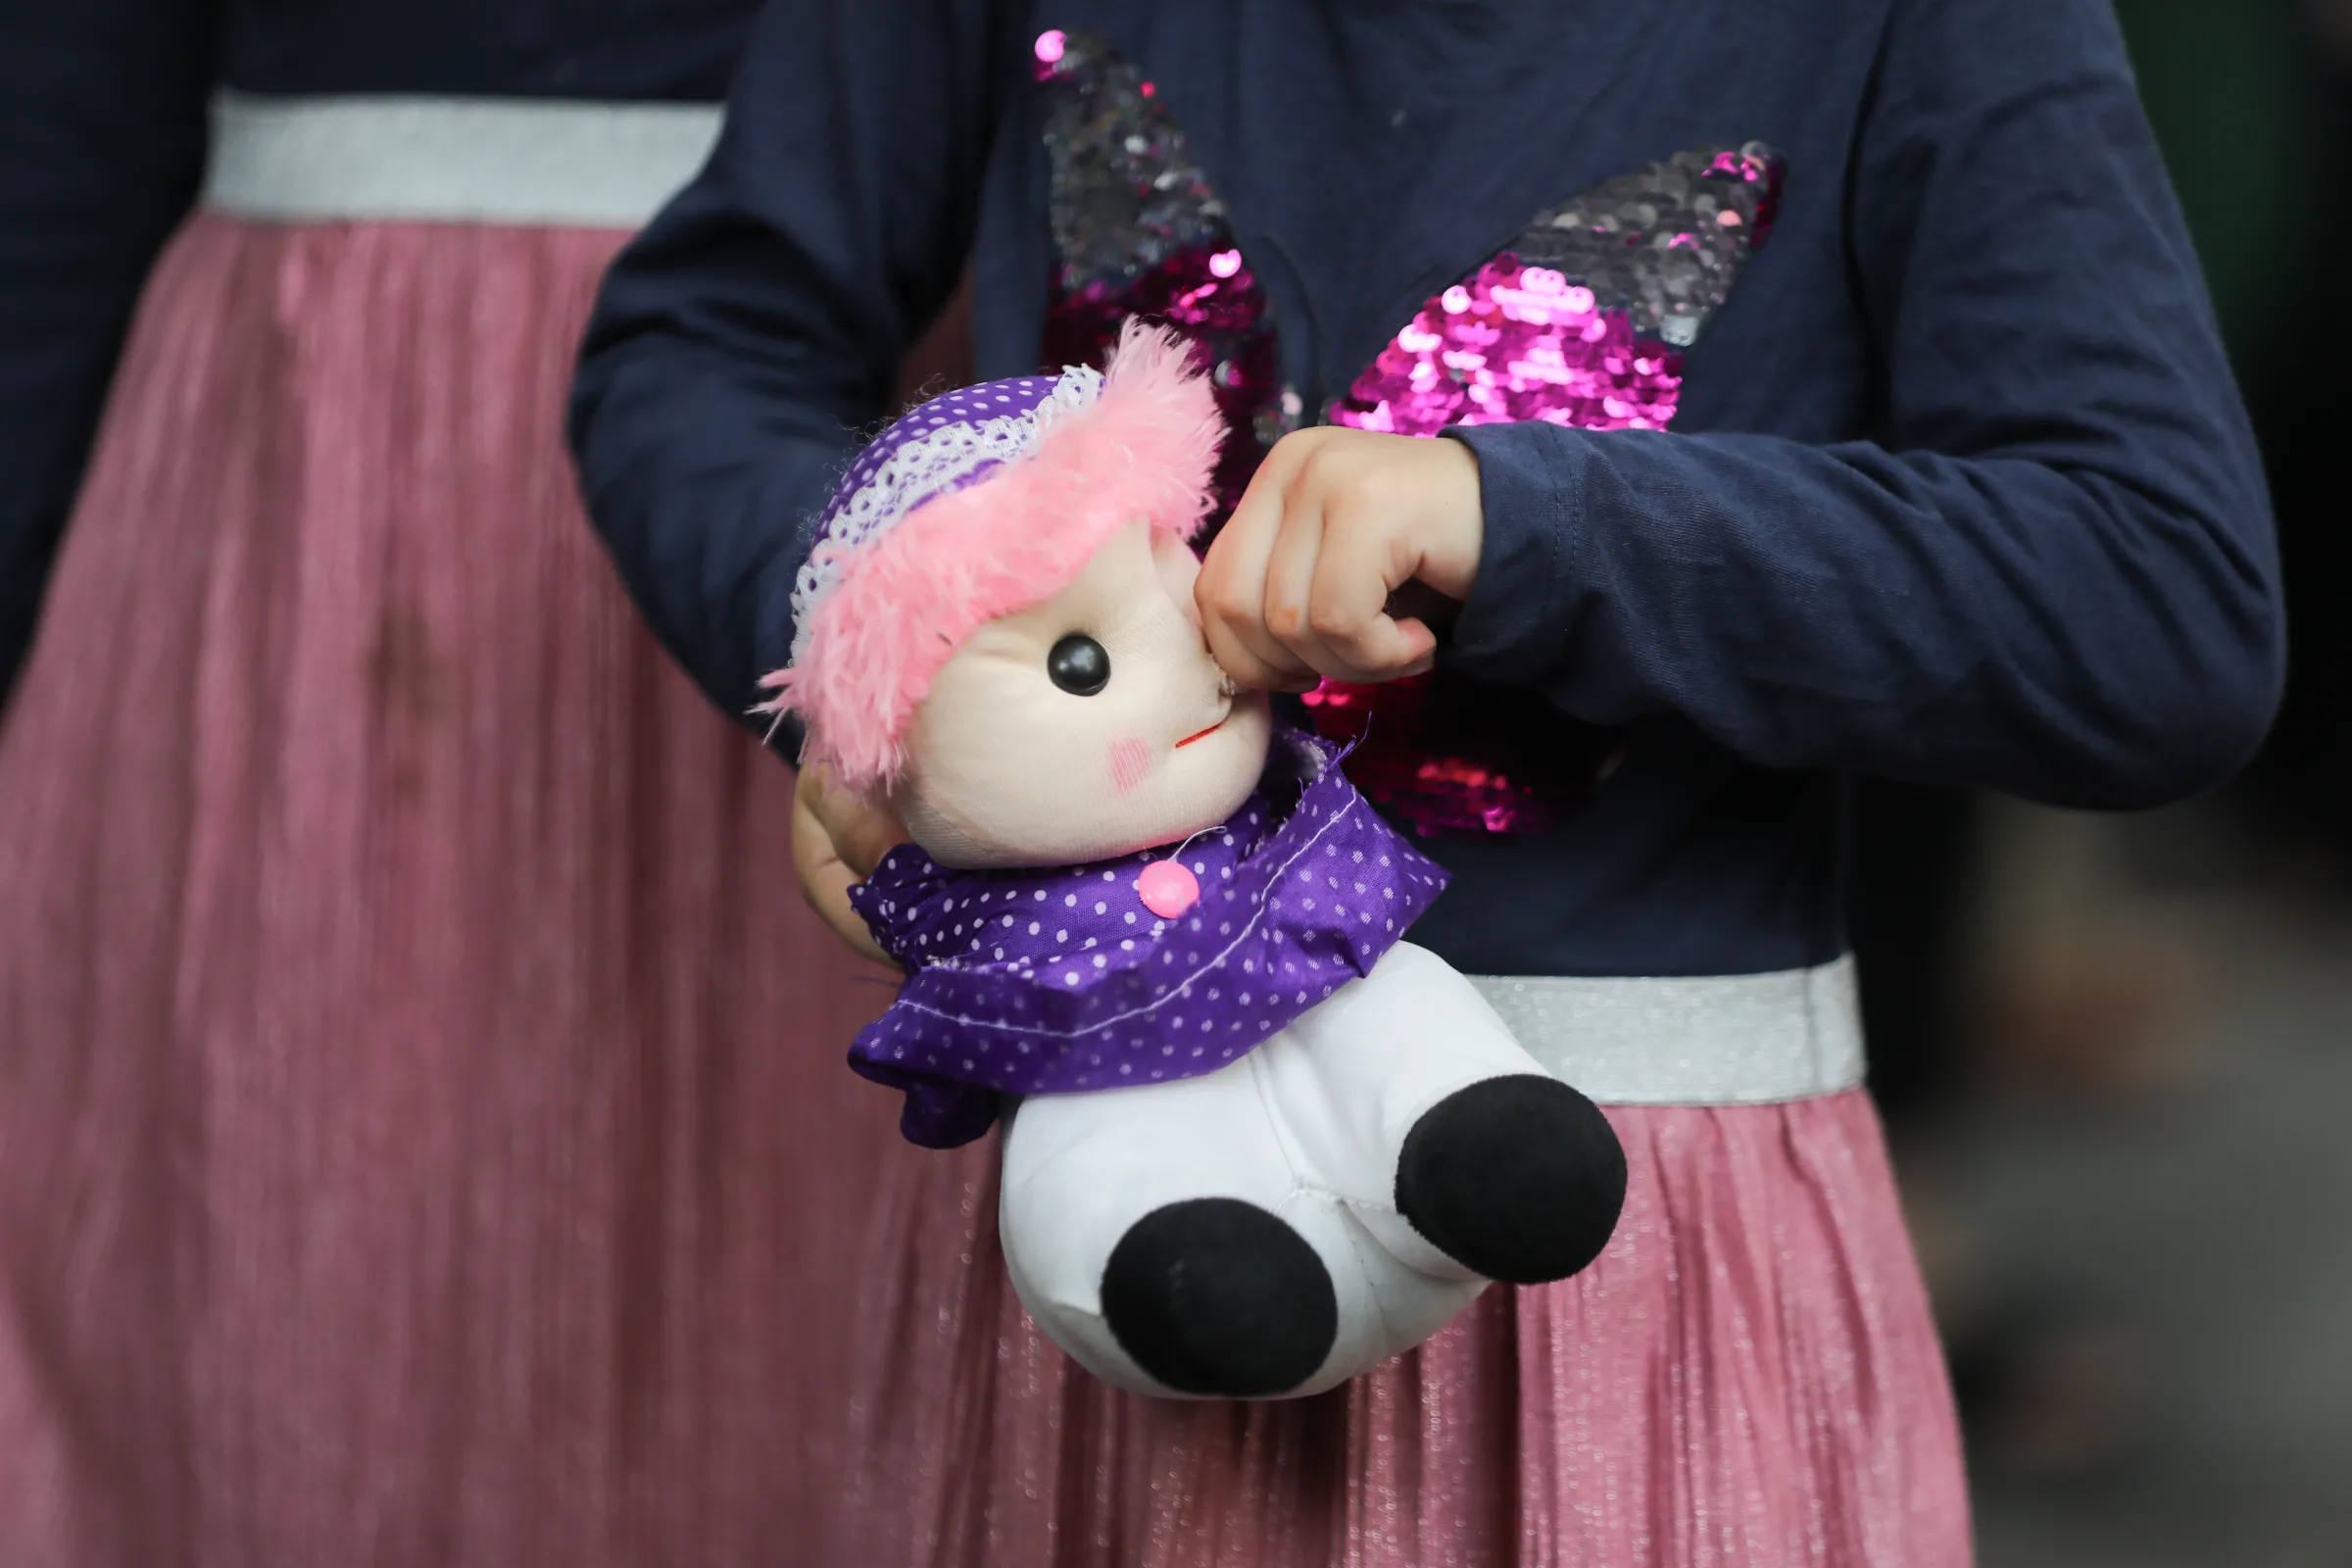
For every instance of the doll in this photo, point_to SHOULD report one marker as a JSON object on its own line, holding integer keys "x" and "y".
{"x": 1254, "y": 1142}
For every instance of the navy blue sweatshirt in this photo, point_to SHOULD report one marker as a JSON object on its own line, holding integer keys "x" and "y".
{"x": 102, "y": 144}
{"x": 1960, "y": 489}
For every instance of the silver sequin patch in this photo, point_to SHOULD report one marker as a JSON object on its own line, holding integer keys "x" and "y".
{"x": 1127, "y": 193}
{"x": 1138, "y": 230}
{"x": 1664, "y": 243}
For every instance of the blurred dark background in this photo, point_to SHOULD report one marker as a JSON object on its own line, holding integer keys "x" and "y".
{"x": 2115, "y": 1054}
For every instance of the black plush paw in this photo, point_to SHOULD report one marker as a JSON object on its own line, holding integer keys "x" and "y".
{"x": 1517, "y": 1179}
{"x": 1217, "y": 1297}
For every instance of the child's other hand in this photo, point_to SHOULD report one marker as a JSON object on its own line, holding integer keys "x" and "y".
{"x": 837, "y": 841}
{"x": 1300, "y": 583}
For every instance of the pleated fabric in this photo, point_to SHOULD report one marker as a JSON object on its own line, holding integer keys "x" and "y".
{"x": 424, "y": 1134}
{"x": 1748, "y": 1376}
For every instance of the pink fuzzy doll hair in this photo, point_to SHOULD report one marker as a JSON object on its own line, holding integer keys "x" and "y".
{"x": 908, "y": 598}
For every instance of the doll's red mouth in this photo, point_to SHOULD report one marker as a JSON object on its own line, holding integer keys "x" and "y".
{"x": 1198, "y": 734}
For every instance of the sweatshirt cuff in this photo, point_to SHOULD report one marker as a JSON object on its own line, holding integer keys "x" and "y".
{"x": 1531, "y": 492}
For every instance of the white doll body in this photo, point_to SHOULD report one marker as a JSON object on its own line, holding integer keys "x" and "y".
{"x": 1307, "y": 1129}
{"x": 1336, "y": 1195}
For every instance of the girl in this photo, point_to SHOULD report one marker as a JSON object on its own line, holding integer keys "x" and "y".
{"x": 1829, "y": 391}
{"x": 401, "y": 1047}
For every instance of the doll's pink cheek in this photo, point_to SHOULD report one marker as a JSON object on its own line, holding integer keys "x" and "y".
{"x": 1130, "y": 764}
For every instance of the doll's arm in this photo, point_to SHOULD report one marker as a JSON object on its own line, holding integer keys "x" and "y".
{"x": 2055, "y": 576}
{"x": 102, "y": 139}
{"x": 741, "y": 342}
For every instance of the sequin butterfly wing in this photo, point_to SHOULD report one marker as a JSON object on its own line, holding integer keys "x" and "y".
{"x": 1138, "y": 230}
{"x": 1582, "y": 321}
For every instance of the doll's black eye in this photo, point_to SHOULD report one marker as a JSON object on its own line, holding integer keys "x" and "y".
{"x": 1079, "y": 665}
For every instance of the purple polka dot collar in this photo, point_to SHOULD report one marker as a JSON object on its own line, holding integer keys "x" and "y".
{"x": 1053, "y": 981}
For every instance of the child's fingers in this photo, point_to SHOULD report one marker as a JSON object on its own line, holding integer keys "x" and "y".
{"x": 1245, "y": 666}
{"x": 857, "y": 830}
{"x": 1328, "y": 581}
{"x": 1235, "y": 624}
{"x": 1361, "y": 561}
{"x": 825, "y": 881}
{"x": 1297, "y": 612}
{"x": 1291, "y": 579}
{"x": 827, "y": 891}
{"x": 1231, "y": 591}
{"x": 1346, "y": 632}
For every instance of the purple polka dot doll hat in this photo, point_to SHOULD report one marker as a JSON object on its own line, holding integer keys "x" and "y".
{"x": 977, "y": 505}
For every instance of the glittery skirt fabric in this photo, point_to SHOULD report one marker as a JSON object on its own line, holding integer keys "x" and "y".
{"x": 1748, "y": 1377}
{"x": 424, "y": 1137}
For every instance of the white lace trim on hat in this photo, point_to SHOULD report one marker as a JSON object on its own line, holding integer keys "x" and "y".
{"x": 921, "y": 468}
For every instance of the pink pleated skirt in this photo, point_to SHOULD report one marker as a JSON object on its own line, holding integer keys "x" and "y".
{"x": 424, "y": 1134}
{"x": 1748, "y": 1376}
{"x": 424, "y": 1131}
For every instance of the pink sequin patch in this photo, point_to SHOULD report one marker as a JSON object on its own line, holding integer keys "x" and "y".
{"x": 1515, "y": 343}
{"x": 1512, "y": 343}
{"x": 1436, "y": 793}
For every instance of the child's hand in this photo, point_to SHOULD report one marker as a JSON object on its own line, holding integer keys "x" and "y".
{"x": 1298, "y": 584}
{"x": 837, "y": 840}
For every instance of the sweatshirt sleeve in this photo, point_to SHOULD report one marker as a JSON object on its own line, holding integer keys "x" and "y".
{"x": 102, "y": 145}
{"x": 2053, "y": 575}
{"x": 755, "y": 328}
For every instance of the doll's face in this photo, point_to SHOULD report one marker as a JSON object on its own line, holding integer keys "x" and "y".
{"x": 1092, "y": 725}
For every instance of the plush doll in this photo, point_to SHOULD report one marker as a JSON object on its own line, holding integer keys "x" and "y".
{"x": 1255, "y": 1143}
